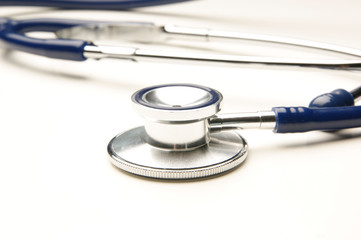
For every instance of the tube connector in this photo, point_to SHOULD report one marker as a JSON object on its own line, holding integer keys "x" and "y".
{"x": 262, "y": 119}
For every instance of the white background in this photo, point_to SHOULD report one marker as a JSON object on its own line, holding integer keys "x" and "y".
{"x": 57, "y": 118}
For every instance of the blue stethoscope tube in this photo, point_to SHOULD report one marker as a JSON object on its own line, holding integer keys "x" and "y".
{"x": 303, "y": 119}
{"x": 90, "y": 4}
{"x": 12, "y": 33}
{"x": 330, "y": 111}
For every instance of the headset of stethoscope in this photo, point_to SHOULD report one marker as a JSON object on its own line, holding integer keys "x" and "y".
{"x": 183, "y": 137}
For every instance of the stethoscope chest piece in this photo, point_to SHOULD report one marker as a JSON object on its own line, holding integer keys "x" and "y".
{"x": 175, "y": 142}
{"x": 131, "y": 152}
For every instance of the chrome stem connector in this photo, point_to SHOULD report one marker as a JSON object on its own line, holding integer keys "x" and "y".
{"x": 234, "y": 121}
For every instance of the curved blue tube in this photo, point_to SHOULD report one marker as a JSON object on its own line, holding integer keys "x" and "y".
{"x": 89, "y": 4}
{"x": 303, "y": 119}
{"x": 12, "y": 35}
{"x": 39, "y": 24}
{"x": 336, "y": 98}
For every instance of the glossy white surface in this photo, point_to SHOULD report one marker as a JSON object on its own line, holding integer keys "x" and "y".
{"x": 57, "y": 118}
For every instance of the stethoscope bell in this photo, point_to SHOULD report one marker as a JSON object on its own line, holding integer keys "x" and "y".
{"x": 176, "y": 141}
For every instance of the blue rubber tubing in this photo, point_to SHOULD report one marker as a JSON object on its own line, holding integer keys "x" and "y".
{"x": 303, "y": 119}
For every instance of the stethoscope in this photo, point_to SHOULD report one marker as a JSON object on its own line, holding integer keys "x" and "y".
{"x": 183, "y": 136}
